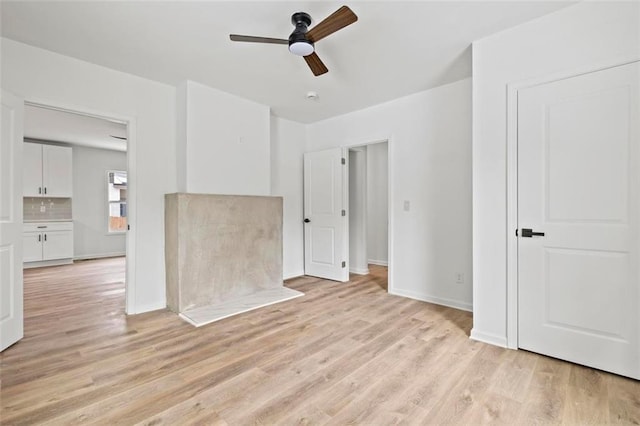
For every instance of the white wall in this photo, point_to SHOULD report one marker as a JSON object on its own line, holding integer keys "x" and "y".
{"x": 43, "y": 76}
{"x": 227, "y": 142}
{"x": 588, "y": 34}
{"x": 181, "y": 137}
{"x": 357, "y": 211}
{"x": 90, "y": 213}
{"x": 287, "y": 149}
{"x": 377, "y": 203}
{"x": 430, "y": 153}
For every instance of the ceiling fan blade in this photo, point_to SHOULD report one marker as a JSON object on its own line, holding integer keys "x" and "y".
{"x": 334, "y": 22}
{"x": 316, "y": 65}
{"x": 252, "y": 39}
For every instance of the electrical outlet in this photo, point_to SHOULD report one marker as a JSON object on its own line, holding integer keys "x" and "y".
{"x": 407, "y": 205}
{"x": 459, "y": 278}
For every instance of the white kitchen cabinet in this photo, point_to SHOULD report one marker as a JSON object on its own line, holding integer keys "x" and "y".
{"x": 31, "y": 246}
{"x": 32, "y": 169}
{"x": 47, "y": 241}
{"x": 47, "y": 171}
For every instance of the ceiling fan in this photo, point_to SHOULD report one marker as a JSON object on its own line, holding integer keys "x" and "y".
{"x": 301, "y": 41}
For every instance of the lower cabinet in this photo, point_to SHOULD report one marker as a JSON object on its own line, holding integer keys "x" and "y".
{"x": 47, "y": 241}
{"x": 31, "y": 246}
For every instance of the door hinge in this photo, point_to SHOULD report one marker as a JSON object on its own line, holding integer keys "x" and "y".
{"x": 344, "y": 212}
{"x": 344, "y": 264}
{"x": 344, "y": 161}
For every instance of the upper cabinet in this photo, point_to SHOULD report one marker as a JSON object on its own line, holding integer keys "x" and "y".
{"x": 47, "y": 171}
{"x": 32, "y": 170}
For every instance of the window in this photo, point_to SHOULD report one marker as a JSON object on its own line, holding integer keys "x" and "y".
{"x": 117, "y": 200}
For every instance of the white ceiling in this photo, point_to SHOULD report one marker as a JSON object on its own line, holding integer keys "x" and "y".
{"x": 75, "y": 129}
{"x": 395, "y": 49}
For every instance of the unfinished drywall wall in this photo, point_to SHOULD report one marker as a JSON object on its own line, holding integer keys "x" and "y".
{"x": 219, "y": 247}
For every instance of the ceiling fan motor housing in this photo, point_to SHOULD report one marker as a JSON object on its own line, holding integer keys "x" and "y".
{"x": 298, "y": 42}
{"x": 301, "y": 19}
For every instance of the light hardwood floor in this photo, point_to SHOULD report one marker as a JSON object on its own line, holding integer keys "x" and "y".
{"x": 342, "y": 354}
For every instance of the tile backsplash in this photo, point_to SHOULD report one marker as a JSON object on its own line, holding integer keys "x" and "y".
{"x": 38, "y": 208}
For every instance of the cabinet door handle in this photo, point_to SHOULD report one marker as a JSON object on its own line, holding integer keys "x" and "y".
{"x": 45, "y": 237}
{"x": 39, "y": 190}
{"x": 39, "y": 237}
{"x": 45, "y": 189}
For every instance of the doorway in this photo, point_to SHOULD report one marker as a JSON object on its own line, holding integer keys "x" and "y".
{"x": 368, "y": 208}
{"x": 97, "y": 207}
{"x": 330, "y": 216}
{"x": 50, "y": 150}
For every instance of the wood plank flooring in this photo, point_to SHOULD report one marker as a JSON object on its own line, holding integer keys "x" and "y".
{"x": 342, "y": 354}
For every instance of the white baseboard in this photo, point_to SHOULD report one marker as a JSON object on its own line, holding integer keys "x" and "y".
{"x": 457, "y": 304}
{"x": 378, "y": 262}
{"x": 43, "y": 263}
{"x": 490, "y": 338}
{"x": 359, "y": 271}
{"x": 149, "y": 308}
{"x": 290, "y": 275}
{"x": 99, "y": 255}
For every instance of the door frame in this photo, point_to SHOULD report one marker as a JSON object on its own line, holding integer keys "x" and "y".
{"x": 512, "y": 180}
{"x": 130, "y": 122}
{"x": 390, "y": 199}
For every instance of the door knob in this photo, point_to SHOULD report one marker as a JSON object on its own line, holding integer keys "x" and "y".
{"x": 307, "y": 220}
{"x": 528, "y": 233}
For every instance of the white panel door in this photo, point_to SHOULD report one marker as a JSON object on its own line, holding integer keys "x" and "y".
{"x": 579, "y": 184}
{"x": 32, "y": 169}
{"x": 11, "y": 315}
{"x": 57, "y": 175}
{"x": 326, "y": 243}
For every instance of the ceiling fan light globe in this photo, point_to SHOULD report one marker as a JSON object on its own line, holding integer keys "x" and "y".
{"x": 301, "y": 48}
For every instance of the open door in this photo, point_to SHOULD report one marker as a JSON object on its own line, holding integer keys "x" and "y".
{"x": 579, "y": 209}
{"x": 11, "y": 315}
{"x": 326, "y": 234}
